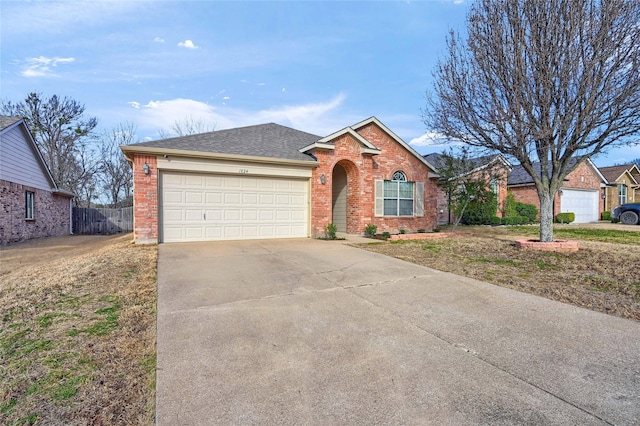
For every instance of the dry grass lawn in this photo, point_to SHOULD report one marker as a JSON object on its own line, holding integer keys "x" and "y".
{"x": 77, "y": 337}
{"x": 602, "y": 275}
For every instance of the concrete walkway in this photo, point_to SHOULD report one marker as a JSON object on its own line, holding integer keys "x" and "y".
{"x": 317, "y": 332}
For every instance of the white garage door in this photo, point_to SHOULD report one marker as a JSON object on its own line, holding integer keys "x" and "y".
{"x": 203, "y": 207}
{"x": 583, "y": 203}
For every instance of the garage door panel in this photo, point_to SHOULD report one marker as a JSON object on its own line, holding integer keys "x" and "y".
{"x": 266, "y": 198}
{"x": 194, "y": 181}
{"x": 210, "y": 207}
{"x": 213, "y": 181}
{"x": 213, "y": 215}
{"x": 191, "y": 197}
{"x": 213, "y": 198}
{"x": 249, "y": 214}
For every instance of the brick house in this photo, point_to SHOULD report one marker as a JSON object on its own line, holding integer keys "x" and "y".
{"x": 271, "y": 181}
{"x": 32, "y": 204}
{"x": 581, "y": 192}
{"x": 494, "y": 168}
{"x": 624, "y": 185}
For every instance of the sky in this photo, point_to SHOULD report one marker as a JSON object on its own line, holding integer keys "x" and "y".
{"x": 312, "y": 66}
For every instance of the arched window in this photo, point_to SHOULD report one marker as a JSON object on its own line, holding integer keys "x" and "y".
{"x": 398, "y": 195}
{"x": 399, "y": 176}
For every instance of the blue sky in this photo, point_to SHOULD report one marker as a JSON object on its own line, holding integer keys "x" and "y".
{"x": 313, "y": 66}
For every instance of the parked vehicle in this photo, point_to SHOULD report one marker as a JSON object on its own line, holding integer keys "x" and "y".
{"x": 629, "y": 214}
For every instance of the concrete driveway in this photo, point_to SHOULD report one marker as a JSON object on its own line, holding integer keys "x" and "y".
{"x": 317, "y": 332}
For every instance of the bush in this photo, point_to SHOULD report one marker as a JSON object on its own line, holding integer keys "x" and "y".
{"x": 370, "y": 230}
{"x": 565, "y": 217}
{"x": 386, "y": 235}
{"x": 403, "y": 231}
{"x": 330, "y": 231}
{"x": 529, "y": 211}
{"x": 606, "y": 215}
{"x": 421, "y": 231}
{"x": 495, "y": 221}
{"x": 481, "y": 212}
{"x": 509, "y": 209}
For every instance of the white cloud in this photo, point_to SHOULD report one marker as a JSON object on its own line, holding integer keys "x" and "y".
{"x": 41, "y": 66}
{"x": 319, "y": 118}
{"x": 158, "y": 40}
{"x": 188, "y": 44}
{"x": 431, "y": 139}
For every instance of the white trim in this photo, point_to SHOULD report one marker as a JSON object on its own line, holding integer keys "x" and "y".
{"x": 168, "y": 153}
{"x": 316, "y": 145}
{"x": 349, "y": 131}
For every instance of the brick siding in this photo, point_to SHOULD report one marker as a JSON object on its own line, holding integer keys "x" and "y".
{"x": 583, "y": 177}
{"x": 51, "y": 216}
{"x": 362, "y": 172}
{"x": 145, "y": 200}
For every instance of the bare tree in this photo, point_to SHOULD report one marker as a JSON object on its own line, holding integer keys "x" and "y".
{"x": 544, "y": 81}
{"x": 467, "y": 182}
{"x": 63, "y": 135}
{"x": 115, "y": 173}
{"x": 188, "y": 126}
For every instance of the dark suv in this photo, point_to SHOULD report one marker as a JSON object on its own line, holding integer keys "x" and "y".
{"x": 629, "y": 214}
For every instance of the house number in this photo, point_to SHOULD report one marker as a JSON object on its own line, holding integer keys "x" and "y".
{"x": 244, "y": 171}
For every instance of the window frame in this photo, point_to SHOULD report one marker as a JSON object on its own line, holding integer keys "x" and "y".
{"x": 623, "y": 193}
{"x": 398, "y": 179}
{"x": 29, "y": 205}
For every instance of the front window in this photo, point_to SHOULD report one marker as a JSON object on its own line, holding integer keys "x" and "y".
{"x": 398, "y": 196}
{"x": 622, "y": 194}
{"x": 29, "y": 205}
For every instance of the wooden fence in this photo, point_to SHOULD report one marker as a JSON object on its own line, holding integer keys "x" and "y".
{"x": 88, "y": 221}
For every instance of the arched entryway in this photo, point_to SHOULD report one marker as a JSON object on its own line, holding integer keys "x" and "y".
{"x": 339, "y": 187}
{"x": 344, "y": 208}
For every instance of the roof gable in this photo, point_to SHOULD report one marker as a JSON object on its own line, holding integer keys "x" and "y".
{"x": 22, "y": 161}
{"x": 519, "y": 175}
{"x": 615, "y": 173}
{"x": 366, "y": 146}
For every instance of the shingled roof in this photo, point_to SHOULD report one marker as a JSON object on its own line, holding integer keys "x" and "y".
{"x": 6, "y": 121}
{"x": 614, "y": 172}
{"x": 264, "y": 140}
{"x": 519, "y": 175}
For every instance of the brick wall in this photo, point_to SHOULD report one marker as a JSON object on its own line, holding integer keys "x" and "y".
{"x": 51, "y": 217}
{"x": 583, "y": 177}
{"x": 362, "y": 172}
{"x": 145, "y": 200}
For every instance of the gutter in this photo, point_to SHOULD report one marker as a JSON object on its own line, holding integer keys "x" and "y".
{"x": 167, "y": 152}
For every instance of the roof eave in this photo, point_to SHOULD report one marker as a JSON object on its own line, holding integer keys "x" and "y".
{"x": 130, "y": 149}
{"x": 316, "y": 145}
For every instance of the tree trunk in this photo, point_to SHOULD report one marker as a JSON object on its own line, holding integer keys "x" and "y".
{"x": 546, "y": 216}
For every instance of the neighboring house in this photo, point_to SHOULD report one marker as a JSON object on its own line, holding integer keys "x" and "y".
{"x": 624, "y": 185}
{"x": 32, "y": 204}
{"x": 493, "y": 167}
{"x": 582, "y": 191}
{"x": 271, "y": 181}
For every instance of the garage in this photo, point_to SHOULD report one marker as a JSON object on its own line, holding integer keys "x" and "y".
{"x": 583, "y": 203}
{"x": 210, "y": 207}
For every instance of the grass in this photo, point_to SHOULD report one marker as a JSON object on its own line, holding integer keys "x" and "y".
{"x": 77, "y": 336}
{"x": 584, "y": 234}
{"x": 602, "y": 275}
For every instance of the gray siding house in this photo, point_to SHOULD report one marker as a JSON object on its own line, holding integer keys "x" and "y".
{"x": 32, "y": 205}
